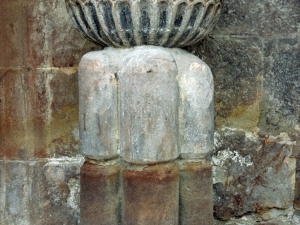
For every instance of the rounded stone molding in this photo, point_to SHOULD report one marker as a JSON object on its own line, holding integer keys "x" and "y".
{"x": 126, "y": 23}
{"x": 146, "y": 104}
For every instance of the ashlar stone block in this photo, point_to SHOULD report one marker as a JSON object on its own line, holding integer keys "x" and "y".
{"x": 196, "y": 193}
{"x": 99, "y": 197}
{"x": 151, "y": 195}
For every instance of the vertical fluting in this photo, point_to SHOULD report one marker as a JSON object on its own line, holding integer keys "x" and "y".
{"x": 126, "y": 23}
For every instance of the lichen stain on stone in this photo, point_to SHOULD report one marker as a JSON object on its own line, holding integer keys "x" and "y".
{"x": 60, "y": 137}
{"x": 252, "y": 173}
{"x": 243, "y": 116}
{"x": 195, "y": 66}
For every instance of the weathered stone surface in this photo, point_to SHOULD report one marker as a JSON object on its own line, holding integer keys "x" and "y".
{"x": 297, "y": 186}
{"x": 12, "y": 113}
{"x": 132, "y": 23}
{"x": 2, "y": 191}
{"x": 38, "y": 114}
{"x": 54, "y": 194}
{"x": 11, "y": 35}
{"x": 39, "y": 192}
{"x": 16, "y": 193}
{"x": 195, "y": 201}
{"x": 151, "y": 195}
{"x": 237, "y": 66}
{"x": 278, "y": 217}
{"x": 196, "y": 108}
{"x": 281, "y": 105}
{"x": 258, "y": 18}
{"x": 148, "y": 106}
{"x": 98, "y": 104}
{"x": 62, "y": 135}
{"x": 165, "y": 102}
{"x": 252, "y": 173}
{"x": 99, "y": 196}
{"x": 49, "y": 37}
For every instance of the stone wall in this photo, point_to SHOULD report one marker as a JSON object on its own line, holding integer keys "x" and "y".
{"x": 254, "y": 55}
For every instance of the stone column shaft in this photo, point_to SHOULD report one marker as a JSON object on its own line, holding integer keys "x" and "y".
{"x": 150, "y": 108}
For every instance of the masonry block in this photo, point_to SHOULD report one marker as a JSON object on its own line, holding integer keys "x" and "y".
{"x": 99, "y": 197}
{"x": 196, "y": 184}
{"x": 151, "y": 195}
{"x": 12, "y": 114}
{"x": 11, "y": 34}
{"x": 50, "y": 40}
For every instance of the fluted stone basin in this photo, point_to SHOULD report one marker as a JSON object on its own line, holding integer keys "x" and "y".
{"x": 126, "y": 23}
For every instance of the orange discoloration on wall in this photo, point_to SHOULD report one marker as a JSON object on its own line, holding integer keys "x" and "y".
{"x": 38, "y": 101}
{"x": 13, "y": 116}
{"x": 99, "y": 194}
{"x": 151, "y": 196}
{"x": 11, "y": 33}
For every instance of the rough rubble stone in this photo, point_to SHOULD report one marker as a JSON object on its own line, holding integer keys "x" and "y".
{"x": 279, "y": 217}
{"x": 252, "y": 172}
{"x": 151, "y": 195}
{"x": 297, "y": 186}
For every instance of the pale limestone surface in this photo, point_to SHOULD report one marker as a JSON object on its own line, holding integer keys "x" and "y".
{"x": 148, "y": 104}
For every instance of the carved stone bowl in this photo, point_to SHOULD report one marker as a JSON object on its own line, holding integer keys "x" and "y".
{"x": 126, "y": 23}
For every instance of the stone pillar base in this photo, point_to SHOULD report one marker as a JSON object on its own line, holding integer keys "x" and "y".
{"x": 151, "y": 108}
{"x": 168, "y": 193}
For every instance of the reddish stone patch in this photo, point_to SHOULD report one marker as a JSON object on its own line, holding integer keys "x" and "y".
{"x": 13, "y": 116}
{"x": 99, "y": 201}
{"x": 11, "y": 35}
{"x": 151, "y": 195}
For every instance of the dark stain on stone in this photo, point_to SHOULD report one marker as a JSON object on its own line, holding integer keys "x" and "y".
{"x": 241, "y": 191}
